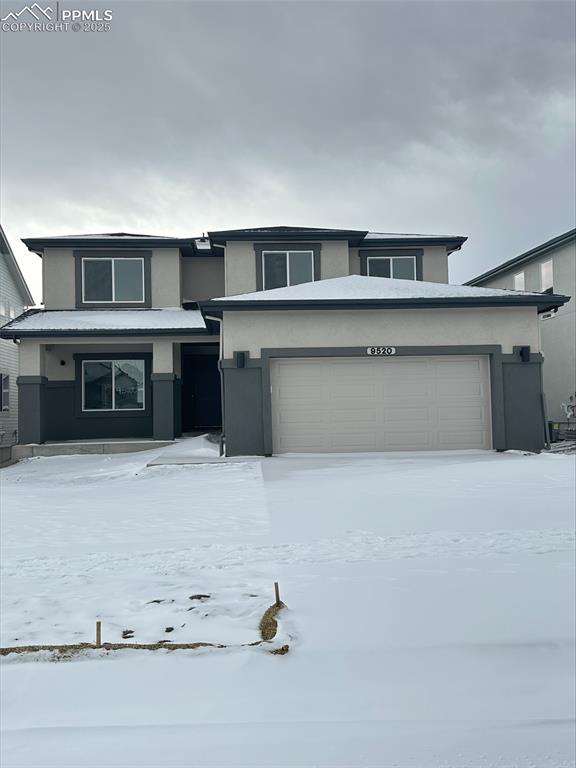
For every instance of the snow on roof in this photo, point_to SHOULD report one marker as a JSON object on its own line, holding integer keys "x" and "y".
{"x": 357, "y": 287}
{"x": 111, "y": 235}
{"x": 108, "y": 320}
{"x": 406, "y": 236}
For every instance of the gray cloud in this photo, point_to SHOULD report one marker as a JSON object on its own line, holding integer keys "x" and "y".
{"x": 413, "y": 116}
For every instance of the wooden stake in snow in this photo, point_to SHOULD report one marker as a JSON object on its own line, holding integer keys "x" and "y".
{"x": 98, "y": 634}
{"x": 277, "y": 592}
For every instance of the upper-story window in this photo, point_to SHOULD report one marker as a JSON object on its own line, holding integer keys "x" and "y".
{"x": 282, "y": 268}
{"x": 399, "y": 267}
{"x": 117, "y": 278}
{"x": 519, "y": 282}
{"x": 546, "y": 276}
{"x": 113, "y": 280}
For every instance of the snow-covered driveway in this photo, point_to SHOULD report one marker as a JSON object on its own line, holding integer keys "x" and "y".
{"x": 431, "y": 601}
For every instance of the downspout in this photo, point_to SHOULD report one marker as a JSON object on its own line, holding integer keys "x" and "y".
{"x": 220, "y": 352}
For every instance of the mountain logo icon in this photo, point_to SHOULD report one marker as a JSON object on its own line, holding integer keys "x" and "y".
{"x": 39, "y": 13}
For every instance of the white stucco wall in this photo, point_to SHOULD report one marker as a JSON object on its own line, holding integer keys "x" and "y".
{"x": 165, "y": 276}
{"x": 509, "y": 327}
{"x": 334, "y": 259}
{"x": 58, "y": 278}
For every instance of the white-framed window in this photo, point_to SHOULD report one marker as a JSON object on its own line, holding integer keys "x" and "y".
{"x": 113, "y": 385}
{"x": 519, "y": 282}
{"x": 398, "y": 267}
{"x": 12, "y": 312}
{"x": 114, "y": 280}
{"x": 546, "y": 275}
{"x": 3, "y": 309}
{"x": 282, "y": 268}
{"x": 4, "y": 392}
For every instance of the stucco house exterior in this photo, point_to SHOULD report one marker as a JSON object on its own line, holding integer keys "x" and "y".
{"x": 14, "y": 297}
{"x": 286, "y": 338}
{"x": 549, "y": 267}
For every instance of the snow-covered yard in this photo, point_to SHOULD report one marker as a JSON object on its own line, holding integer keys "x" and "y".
{"x": 431, "y": 615}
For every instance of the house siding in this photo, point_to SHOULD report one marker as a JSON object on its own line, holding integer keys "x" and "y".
{"x": 9, "y": 297}
{"x": 558, "y": 332}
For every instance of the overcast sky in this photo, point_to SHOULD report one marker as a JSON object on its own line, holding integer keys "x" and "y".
{"x": 441, "y": 117}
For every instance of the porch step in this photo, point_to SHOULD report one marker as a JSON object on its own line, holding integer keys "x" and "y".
{"x": 71, "y": 449}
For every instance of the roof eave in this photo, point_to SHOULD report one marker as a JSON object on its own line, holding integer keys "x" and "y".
{"x": 544, "y": 303}
{"x": 452, "y": 243}
{"x": 223, "y": 236}
{"x": 39, "y": 244}
{"x": 15, "y": 333}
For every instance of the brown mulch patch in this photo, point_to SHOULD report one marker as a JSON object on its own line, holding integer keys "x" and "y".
{"x": 268, "y": 623}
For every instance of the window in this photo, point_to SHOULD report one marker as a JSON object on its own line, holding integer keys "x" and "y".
{"x": 3, "y": 309}
{"x": 12, "y": 312}
{"x": 113, "y": 385}
{"x": 398, "y": 267}
{"x": 4, "y": 392}
{"x": 519, "y": 282}
{"x": 546, "y": 275}
{"x": 282, "y": 268}
{"x": 114, "y": 280}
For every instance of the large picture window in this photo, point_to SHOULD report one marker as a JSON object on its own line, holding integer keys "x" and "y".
{"x": 113, "y": 385}
{"x": 113, "y": 280}
{"x": 398, "y": 267}
{"x": 282, "y": 268}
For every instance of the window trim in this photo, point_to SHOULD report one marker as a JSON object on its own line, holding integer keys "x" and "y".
{"x": 391, "y": 260}
{"x": 4, "y": 389}
{"x": 368, "y": 253}
{"x": 287, "y": 254}
{"x": 113, "y": 361}
{"x": 261, "y": 247}
{"x": 124, "y": 413}
{"x": 144, "y": 256}
{"x": 550, "y": 287}
{"x": 521, "y": 274}
{"x": 113, "y": 300}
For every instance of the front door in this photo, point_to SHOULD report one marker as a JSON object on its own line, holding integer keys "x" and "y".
{"x": 201, "y": 403}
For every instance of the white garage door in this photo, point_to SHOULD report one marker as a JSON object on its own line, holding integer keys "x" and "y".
{"x": 380, "y": 404}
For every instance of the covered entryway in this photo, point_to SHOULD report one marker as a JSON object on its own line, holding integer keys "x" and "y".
{"x": 201, "y": 398}
{"x": 380, "y": 403}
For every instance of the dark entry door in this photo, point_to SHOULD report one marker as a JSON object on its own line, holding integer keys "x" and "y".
{"x": 201, "y": 404}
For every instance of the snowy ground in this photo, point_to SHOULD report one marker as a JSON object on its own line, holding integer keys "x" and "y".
{"x": 430, "y": 595}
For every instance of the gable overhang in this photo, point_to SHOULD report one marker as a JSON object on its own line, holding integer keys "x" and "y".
{"x": 523, "y": 258}
{"x": 543, "y": 303}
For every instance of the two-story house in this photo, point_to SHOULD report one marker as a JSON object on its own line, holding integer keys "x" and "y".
{"x": 288, "y": 338}
{"x": 14, "y": 297}
{"x": 548, "y": 268}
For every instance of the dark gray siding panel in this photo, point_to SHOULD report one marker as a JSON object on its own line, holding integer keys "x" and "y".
{"x": 62, "y": 423}
{"x": 165, "y": 406}
{"x": 32, "y": 409}
{"x": 523, "y": 406}
{"x": 243, "y": 411}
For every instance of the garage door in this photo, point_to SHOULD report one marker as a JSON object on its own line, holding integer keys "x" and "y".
{"x": 380, "y": 404}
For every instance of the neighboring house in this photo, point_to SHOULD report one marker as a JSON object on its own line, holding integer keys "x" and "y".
{"x": 550, "y": 267}
{"x": 323, "y": 339}
{"x": 14, "y": 297}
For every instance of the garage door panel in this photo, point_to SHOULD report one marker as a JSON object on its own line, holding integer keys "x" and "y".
{"x": 379, "y": 404}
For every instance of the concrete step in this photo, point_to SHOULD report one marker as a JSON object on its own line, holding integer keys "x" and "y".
{"x": 87, "y": 447}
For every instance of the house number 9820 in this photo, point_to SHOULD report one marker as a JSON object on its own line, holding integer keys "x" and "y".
{"x": 381, "y": 351}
